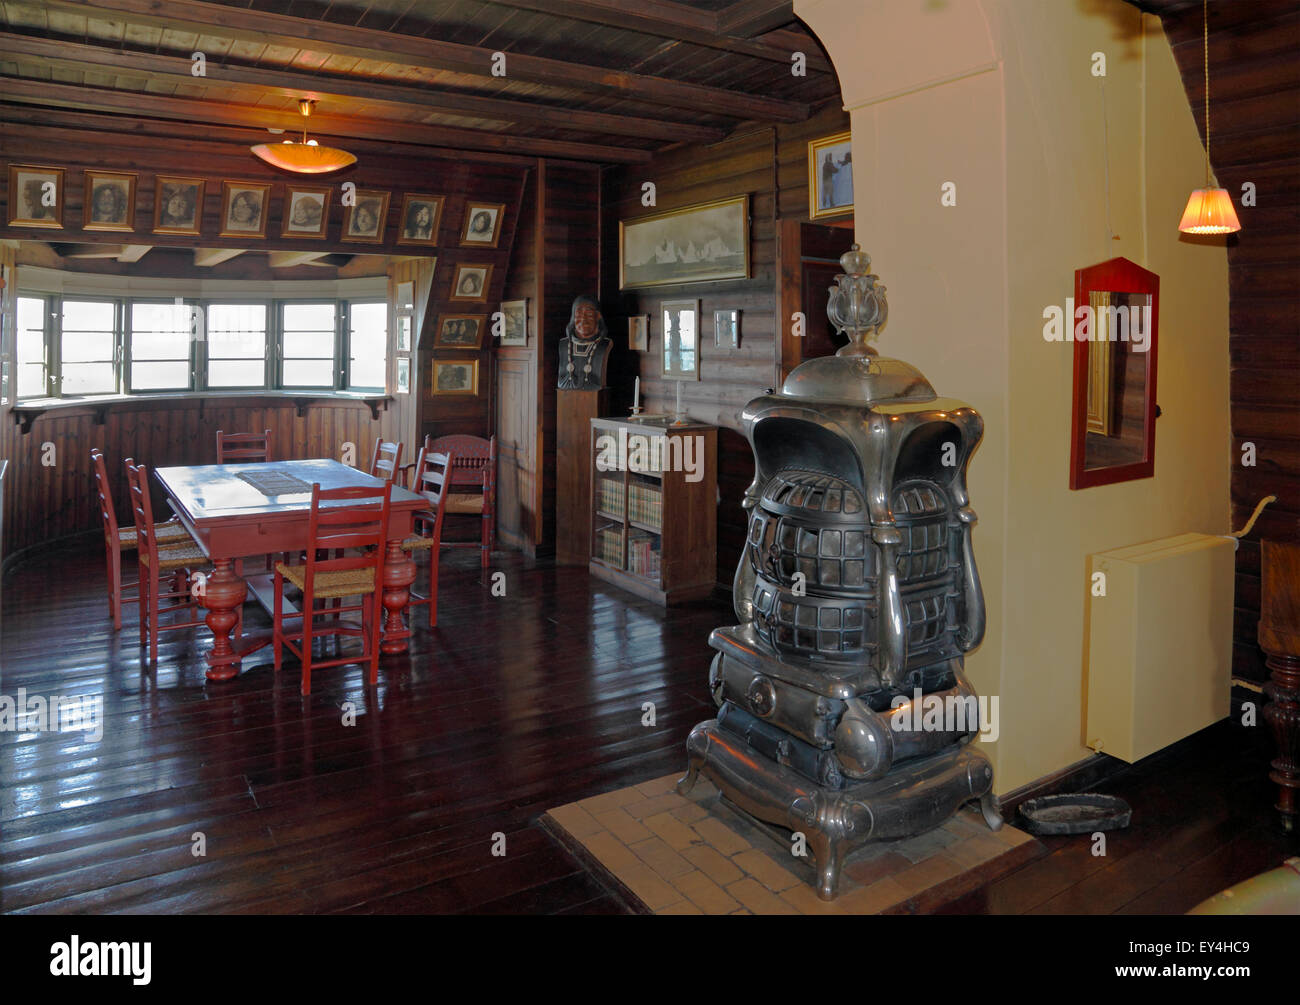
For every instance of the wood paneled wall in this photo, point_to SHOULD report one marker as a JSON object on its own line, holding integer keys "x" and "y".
{"x": 771, "y": 165}
{"x": 50, "y": 491}
{"x": 1255, "y": 93}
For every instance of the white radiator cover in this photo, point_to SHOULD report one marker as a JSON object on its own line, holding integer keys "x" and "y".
{"x": 1159, "y": 657}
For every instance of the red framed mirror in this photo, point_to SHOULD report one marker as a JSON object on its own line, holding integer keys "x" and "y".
{"x": 1113, "y": 421}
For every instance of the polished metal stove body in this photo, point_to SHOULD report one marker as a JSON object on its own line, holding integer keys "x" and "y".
{"x": 858, "y": 597}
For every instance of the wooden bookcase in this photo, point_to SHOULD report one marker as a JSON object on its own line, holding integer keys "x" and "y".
{"x": 653, "y": 521}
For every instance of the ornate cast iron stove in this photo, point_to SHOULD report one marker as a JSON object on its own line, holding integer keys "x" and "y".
{"x": 856, "y": 589}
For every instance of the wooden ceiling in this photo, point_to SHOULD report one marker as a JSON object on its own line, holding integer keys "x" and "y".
{"x": 596, "y": 80}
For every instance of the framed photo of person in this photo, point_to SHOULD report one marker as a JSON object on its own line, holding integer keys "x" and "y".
{"x": 483, "y": 224}
{"x": 460, "y": 331}
{"x": 830, "y": 176}
{"x": 681, "y": 352}
{"x": 109, "y": 201}
{"x": 514, "y": 322}
{"x": 403, "y": 332}
{"x": 455, "y": 376}
{"x": 421, "y": 215}
{"x": 726, "y": 329}
{"x": 35, "y": 196}
{"x": 638, "y": 333}
{"x": 243, "y": 209}
{"x": 403, "y": 374}
{"x": 306, "y": 212}
{"x": 470, "y": 283}
{"x": 365, "y": 219}
{"x": 177, "y": 205}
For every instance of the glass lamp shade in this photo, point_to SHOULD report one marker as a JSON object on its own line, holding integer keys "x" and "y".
{"x": 1209, "y": 211}
{"x": 303, "y": 158}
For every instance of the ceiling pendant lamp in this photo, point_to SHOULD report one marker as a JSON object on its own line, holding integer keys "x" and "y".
{"x": 1209, "y": 210}
{"x": 307, "y": 157}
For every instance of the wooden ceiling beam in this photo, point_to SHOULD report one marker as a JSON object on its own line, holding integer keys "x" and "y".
{"x": 134, "y": 252}
{"x": 393, "y": 47}
{"x": 205, "y": 258}
{"x": 338, "y": 128}
{"x": 747, "y": 18}
{"x": 664, "y": 19}
{"x": 288, "y": 259}
{"x": 295, "y": 84}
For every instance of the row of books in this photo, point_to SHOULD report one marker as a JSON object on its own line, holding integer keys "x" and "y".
{"x": 609, "y": 497}
{"x": 643, "y": 554}
{"x": 609, "y": 546}
{"x": 645, "y": 504}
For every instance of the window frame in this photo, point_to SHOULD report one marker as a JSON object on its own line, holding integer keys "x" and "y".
{"x": 269, "y": 375}
{"x": 128, "y": 356}
{"x": 345, "y": 384}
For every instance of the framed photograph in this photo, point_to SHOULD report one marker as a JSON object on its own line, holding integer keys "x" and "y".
{"x": 470, "y": 283}
{"x": 830, "y": 176}
{"x": 514, "y": 322}
{"x": 726, "y": 329}
{"x": 421, "y": 215}
{"x": 483, "y": 223}
{"x": 406, "y": 295}
{"x": 35, "y": 196}
{"x": 243, "y": 209}
{"x": 638, "y": 332}
{"x": 364, "y": 221}
{"x": 403, "y": 332}
{"x": 681, "y": 353}
{"x": 177, "y": 205}
{"x": 455, "y": 376}
{"x": 696, "y": 244}
{"x": 109, "y": 201}
{"x": 403, "y": 374}
{"x": 306, "y": 212}
{"x": 460, "y": 331}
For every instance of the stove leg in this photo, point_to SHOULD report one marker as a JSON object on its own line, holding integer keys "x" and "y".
{"x": 829, "y": 856}
{"x": 989, "y": 807}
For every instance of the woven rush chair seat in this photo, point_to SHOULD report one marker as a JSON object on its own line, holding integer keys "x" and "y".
{"x": 345, "y": 583}
{"x": 468, "y": 503}
{"x": 172, "y": 532}
{"x": 181, "y": 557}
{"x": 412, "y": 543}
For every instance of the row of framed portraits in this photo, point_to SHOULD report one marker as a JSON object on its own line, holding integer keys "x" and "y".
{"x": 466, "y": 331}
{"x": 447, "y": 377}
{"x": 36, "y": 196}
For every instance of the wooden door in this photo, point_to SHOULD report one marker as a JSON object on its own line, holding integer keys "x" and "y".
{"x": 809, "y": 256}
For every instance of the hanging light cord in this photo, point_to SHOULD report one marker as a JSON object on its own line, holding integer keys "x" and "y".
{"x": 1205, "y": 39}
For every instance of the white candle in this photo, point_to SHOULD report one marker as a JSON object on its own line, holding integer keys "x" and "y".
{"x": 636, "y": 393}
{"x": 679, "y": 397}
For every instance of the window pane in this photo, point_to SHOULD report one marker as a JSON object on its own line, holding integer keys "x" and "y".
{"x": 309, "y": 317}
{"x": 87, "y": 347}
{"x": 31, "y": 347}
{"x": 88, "y": 378}
{"x": 237, "y": 331}
{"x": 160, "y": 376}
{"x": 171, "y": 317}
{"x": 236, "y": 373}
{"x": 87, "y": 315}
{"x": 309, "y": 373}
{"x": 311, "y": 345}
{"x": 369, "y": 344}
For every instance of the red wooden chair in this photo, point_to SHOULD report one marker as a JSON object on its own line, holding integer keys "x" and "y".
{"x": 155, "y": 560}
{"x": 236, "y": 448}
{"x": 386, "y": 460}
{"x": 432, "y": 475}
{"x": 473, "y": 487}
{"x": 119, "y": 539}
{"x": 361, "y": 523}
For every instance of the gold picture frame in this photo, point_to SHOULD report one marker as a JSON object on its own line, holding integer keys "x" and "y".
{"x": 454, "y": 377}
{"x": 826, "y": 183}
{"x": 109, "y": 201}
{"x": 306, "y": 211}
{"x": 412, "y": 229}
{"x": 1101, "y": 369}
{"x": 466, "y": 274}
{"x": 178, "y": 205}
{"x": 474, "y": 236}
{"x": 244, "y": 209}
{"x": 27, "y": 196}
{"x": 364, "y": 221}
{"x": 705, "y": 242}
{"x": 460, "y": 331}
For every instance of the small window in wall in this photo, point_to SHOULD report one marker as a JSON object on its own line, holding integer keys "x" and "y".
{"x": 32, "y": 317}
{"x": 161, "y": 337}
{"x": 87, "y": 347}
{"x": 307, "y": 345}
{"x": 367, "y": 346}
{"x": 236, "y": 341}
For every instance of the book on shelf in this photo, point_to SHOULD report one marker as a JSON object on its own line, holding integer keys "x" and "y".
{"x": 645, "y": 504}
{"x": 643, "y": 554}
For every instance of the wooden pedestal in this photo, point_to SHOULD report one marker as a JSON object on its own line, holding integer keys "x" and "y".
{"x": 1279, "y": 636}
{"x": 575, "y": 410}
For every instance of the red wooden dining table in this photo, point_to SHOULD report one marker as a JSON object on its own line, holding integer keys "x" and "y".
{"x": 236, "y": 511}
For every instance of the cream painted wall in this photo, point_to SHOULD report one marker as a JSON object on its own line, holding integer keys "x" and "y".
{"x": 998, "y": 97}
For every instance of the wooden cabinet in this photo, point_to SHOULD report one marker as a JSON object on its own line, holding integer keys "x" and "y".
{"x": 654, "y": 507}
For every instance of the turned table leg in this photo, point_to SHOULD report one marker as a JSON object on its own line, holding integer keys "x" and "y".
{"x": 399, "y": 574}
{"x": 223, "y": 596}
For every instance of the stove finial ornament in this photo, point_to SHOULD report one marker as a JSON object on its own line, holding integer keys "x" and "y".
{"x": 857, "y": 305}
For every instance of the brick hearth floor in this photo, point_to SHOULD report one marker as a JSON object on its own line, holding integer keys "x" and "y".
{"x": 671, "y": 854}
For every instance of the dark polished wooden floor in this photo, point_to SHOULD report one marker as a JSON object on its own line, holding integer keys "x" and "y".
{"x": 514, "y": 705}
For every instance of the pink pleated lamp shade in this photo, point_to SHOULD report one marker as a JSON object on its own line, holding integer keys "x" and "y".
{"x": 1209, "y": 211}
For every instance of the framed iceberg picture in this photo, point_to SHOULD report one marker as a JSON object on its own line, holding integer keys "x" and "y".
{"x": 695, "y": 244}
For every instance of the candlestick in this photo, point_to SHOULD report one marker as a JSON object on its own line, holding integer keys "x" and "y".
{"x": 636, "y": 394}
{"x": 679, "y": 397}
{"x": 679, "y": 417}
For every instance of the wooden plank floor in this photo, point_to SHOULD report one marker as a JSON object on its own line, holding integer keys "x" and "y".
{"x": 513, "y": 705}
